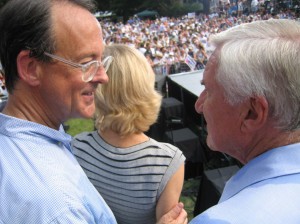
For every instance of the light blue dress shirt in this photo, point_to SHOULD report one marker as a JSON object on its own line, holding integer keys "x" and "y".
{"x": 40, "y": 179}
{"x": 264, "y": 191}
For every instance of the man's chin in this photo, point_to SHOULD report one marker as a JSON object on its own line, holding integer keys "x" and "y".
{"x": 88, "y": 112}
{"x": 210, "y": 144}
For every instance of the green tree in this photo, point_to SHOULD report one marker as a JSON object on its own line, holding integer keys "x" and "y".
{"x": 127, "y": 8}
{"x": 2, "y": 2}
{"x": 122, "y": 8}
{"x": 103, "y": 5}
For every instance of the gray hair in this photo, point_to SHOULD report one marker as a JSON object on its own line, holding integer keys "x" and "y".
{"x": 262, "y": 58}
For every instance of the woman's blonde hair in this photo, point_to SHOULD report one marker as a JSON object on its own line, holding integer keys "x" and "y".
{"x": 128, "y": 103}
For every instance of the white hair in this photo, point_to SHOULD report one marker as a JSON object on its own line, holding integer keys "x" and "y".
{"x": 262, "y": 58}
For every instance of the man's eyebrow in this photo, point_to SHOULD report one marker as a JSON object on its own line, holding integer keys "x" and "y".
{"x": 202, "y": 82}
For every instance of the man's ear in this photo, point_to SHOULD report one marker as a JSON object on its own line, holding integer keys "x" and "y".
{"x": 27, "y": 68}
{"x": 256, "y": 114}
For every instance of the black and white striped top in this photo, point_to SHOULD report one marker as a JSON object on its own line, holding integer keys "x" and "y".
{"x": 129, "y": 179}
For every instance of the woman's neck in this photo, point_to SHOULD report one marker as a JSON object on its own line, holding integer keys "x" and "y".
{"x": 119, "y": 141}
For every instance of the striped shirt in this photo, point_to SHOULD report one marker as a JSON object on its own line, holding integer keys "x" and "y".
{"x": 40, "y": 179}
{"x": 129, "y": 179}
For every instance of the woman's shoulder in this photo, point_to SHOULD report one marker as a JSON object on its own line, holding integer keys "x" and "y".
{"x": 165, "y": 148}
{"x": 83, "y": 139}
{"x": 83, "y": 135}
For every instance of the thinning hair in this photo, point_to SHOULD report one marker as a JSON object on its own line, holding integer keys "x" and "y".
{"x": 26, "y": 25}
{"x": 262, "y": 58}
{"x": 129, "y": 102}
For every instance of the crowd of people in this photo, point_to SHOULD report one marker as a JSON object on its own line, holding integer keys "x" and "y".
{"x": 3, "y": 90}
{"x": 166, "y": 42}
{"x": 54, "y": 62}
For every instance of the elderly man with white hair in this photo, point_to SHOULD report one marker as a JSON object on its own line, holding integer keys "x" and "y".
{"x": 251, "y": 104}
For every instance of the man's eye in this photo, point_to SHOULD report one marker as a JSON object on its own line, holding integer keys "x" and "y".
{"x": 85, "y": 62}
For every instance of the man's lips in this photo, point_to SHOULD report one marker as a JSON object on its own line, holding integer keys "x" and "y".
{"x": 88, "y": 93}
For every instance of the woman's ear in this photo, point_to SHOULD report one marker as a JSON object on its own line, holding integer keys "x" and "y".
{"x": 27, "y": 68}
{"x": 256, "y": 114}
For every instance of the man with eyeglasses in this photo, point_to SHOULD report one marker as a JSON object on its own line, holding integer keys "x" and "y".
{"x": 51, "y": 52}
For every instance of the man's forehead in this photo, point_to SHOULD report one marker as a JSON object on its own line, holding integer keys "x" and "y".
{"x": 213, "y": 59}
{"x": 211, "y": 66}
{"x": 212, "y": 62}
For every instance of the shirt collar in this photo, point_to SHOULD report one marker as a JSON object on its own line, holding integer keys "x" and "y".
{"x": 23, "y": 129}
{"x": 273, "y": 163}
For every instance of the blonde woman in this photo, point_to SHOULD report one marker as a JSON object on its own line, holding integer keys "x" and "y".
{"x": 139, "y": 178}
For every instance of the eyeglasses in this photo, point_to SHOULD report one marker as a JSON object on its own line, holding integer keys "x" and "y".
{"x": 88, "y": 69}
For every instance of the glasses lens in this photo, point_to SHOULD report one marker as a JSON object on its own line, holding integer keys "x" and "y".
{"x": 89, "y": 71}
{"x": 106, "y": 62}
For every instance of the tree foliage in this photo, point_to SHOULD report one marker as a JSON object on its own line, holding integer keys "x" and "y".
{"x": 127, "y": 8}
{"x": 2, "y": 2}
{"x": 124, "y": 8}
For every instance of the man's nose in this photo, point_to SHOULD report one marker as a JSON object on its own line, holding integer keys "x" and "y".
{"x": 100, "y": 76}
{"x": 199, "y": 103}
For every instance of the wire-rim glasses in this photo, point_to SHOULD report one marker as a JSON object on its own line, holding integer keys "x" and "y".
{"x": 88, "y": 69}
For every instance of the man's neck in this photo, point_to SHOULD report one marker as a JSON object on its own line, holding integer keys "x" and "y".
{"x": 27, "y": 109}
{"x": 271, "y": 141}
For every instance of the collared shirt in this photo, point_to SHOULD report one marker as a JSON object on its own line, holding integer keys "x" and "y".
{"x": 266, "y": 190}
{"x": 40, "y": 179}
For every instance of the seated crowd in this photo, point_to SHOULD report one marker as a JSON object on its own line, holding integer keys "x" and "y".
{"x": 166, "y": 42}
